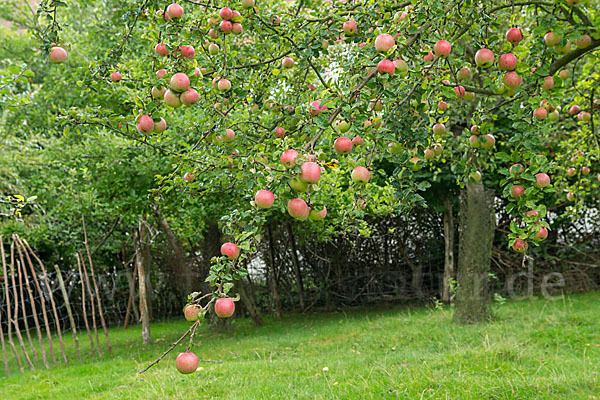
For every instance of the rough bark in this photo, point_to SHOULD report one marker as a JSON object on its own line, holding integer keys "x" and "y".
{"x": 476, "y": 223}
{"x": 139, "y": 260}
{"x": 273, "y": 274}
{"x": 242, "y": 287}
{"x": 188, "y": 280}
{"x": 447, "y": 284}
{"x": 296, "y": 266}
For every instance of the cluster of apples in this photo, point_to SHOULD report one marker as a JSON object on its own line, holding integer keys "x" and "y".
{"x": 520, "y": 245}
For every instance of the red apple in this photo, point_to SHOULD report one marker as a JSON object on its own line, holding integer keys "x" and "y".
{"x": 585, "y": 170}
{"x": 571, "y": 196}
{"x": 310, "y": 172}
{"x": 442, "y": 106}
{"x": 279, "y": 132}
{"x": 224, "y": 307}
{"x": 584, "y": 42}
{"x": 551, "y": 39}
{"x": 533, "y": 213}
{"x": 161, "y": 49}
{"x": 548, "y": 83}
{"x": 180, "y": 82}
{"x": 507, "y": 62}
{"x": 517, "y": 191}
{"x": 514, "y": 36}
{"x": 442, "y": 48}
{"x": 188, "y": 97}
{"x": 460, "y": 92}
{"x": 488, "y": 142}
{"x": 343, "y": 145}
{"x": 429, "y": 154}
{"x": 226, "y": 13}
{"x": 512, "y": 80}
{"x": 542, "y": 180}
{"x": 384, "y": 42}
{"x": 224, "y": 85}
{"x": 175, "y": 11}
{"x": 275, "y": 20}
{"x": 226, "y": 26}
{"x": 230, "y": 250}
{"x": 428, "y": 57}
{"x": 484, "y": 58}
{"x": 172, "y": 99}
{"x": 464, "y": 73}
{"x": 315, "y": 215}
{"x": 264, "y": 199}
{"x": 187, "y": 51}
{"x": 360, "y": 175}
{"x": 386, "y": 67}
{"x": 57, "y": 55}
{"x": 542, "y": 234}
{"x": 574, "y": 110}
{"x": 519, "y": 245}
{"x": 298, "y": 209}
{"x": 439, "y": 129}
{"x": 563, "y": 74}
{"x": 186, "y": 363}
{"x": 116, "y": 76}
{"x": 540, "y": 113}
{"x": 191, "y": 312}
{"x": 288, "y": 157}
{"x": 287, "y": 62}
{"x": 188, "y": 177}
{"x": 316, "y": 108}
{"x": 475, "y": 130}
{"x": 350, "y": 28}
{"x": 144, "y": 124}
{"x": 160, "y": 126}
{"x": 584, "y": 116}
{"x": 516, "y": 169}
{"x": 571, "y": 171}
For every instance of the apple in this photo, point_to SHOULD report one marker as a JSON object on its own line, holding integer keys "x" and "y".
{"x": 226, "y": 13}
{"x": 551, "y": 39}
{"x": 275, "y": 20}
{"x": 571, "y": 171}
{"x": 512, "y": 80}
{"x": 224, "y": 85}
{"x": 230, "y": 250}
{"x": 298, "y": 185}
{"x": 190, "y": 96}
{"x": 264, "y": 199}
{"x": 315, "y": 215}
{"x": 428, "y": 57}
{"x": 386, "y": 67}
{"x": 288, "y": 157}
{"x": 229, "y": 136}
{"x": 187, "y": 51}
{"x": 342, "y": 126}
{"x": 474, "y": 141}
{"x": 144, "y": 124}
{"x": 460, "y": 92}
{"x": 57, "y": 55}
{"x": 298, "y": 209}
{"x": 548, "y": 83}
{"x": 343, "y": 145}
{"x": 484, "y": 58}
{"x": 507, "y": 62}
{"x": 584, "y": 42}
{"x": 489, "y": 142}
{"x": 188, "y": 177}
{"x": 116, "y": 77}
{"x": 585, "y": 170}
{"x": 226, "y": 27}
{"x": 287, "y": 62}
{"x": 439, "y": 129}
{"x": 442, "y": 48}
{"x": 563, "y": 74}
{"x": 224, "y": 307}
{"x": 469, "y": 96}
{"x": 464, "y": 73}
{"x": 571, "y": 196}
{"x": 186, "y": 363}
{"x": 429, "y": 154}
{"x": 475, "y": 130}
{"x": 542, "y": 180}
{"x": 180, "y": 82}
{"x": 213, "y": 49}
{"x": 191, "y": 312}
{"x": 564, "y": 49}
{"x": 158, "y": 93}
{"x": 316, "y": 108}
{"x": 358, "y": 141}
{"x": 279, "y": 132}
{"x": 574, "y": 110}
{"x": 540, "y": 113}
{"x": 475, "y": 176}
{"x": 350, "y": 28}
{"x": 376, "y": 105}
{"x": 442, "y": 106}
{"x": 553, "y": 116}
{"x": 584, "y": 116}
{"x": 247, "y": 3}
{"x": 415, "y": 163}
{"x": 514, "y": 36}
{"x": 519, "y": 245}
{"x": 438, "y": 149}
{"x": 175, "y": 11}
{"x": 401, "y": 66}
{"x": 360, "y": 175}
{"x": 161, "y": 49}
{"x": 384, "y": 42}
{"x": 310, "y": 172}
{"x": 517, "y": 191}
{"x": 516, "y": 169}
{"x": 160, "y": 126}
{"x": 533, "y": 213}
{"x": 542, "y": 234}
{"x": 172, "y": 99}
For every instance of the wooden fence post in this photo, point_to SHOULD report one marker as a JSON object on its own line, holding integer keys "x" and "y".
{"x": 37, "y": 325}
{"x": 8, "y": 308}
{"x": 15, "y": 320}
{"x": 5, "y": 357}
{"x": 87, "y": 325}
{"x": 92, "y": 302}
{"x": 63, "y": 290}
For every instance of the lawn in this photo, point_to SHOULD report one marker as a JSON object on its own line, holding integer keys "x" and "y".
{"x": 534, "y": 349}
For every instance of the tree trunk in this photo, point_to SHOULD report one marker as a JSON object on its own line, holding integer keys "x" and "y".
{"x": 296, "y": 266}
{"x": 188, "y": 280}
{"x": 447, "y": 284}
{"x": 477, "y": 221}
{"x": 248, "y": 299}
{"x": 139, "y": 260}
{"x": 273, "y": 277}
{"x": 211, "y": 247}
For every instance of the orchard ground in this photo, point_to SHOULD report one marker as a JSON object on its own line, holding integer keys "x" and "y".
{"x": 534, "y": 349}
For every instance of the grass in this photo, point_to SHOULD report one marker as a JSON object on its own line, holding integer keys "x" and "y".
{"x": 534, "y": 349}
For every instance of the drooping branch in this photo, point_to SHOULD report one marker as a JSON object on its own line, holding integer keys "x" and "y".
{"x": 561, "y": 62}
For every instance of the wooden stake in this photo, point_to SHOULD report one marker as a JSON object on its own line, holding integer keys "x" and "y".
{"x": 4, "y": 356}
{"x": 8, "y": 309}
{"x": 87, "y": 249}
{"x": 34, "y": 307}
{"x": 21, "y": 272}
{"x": 15, "y": 320}
{"x": 89, "y": 288}
{"x": 139, "y": 260}
{"x": 131, "y": 296}
{"x": 27, "y": 250}
{"x": 87, "y": 325}
{"x": 63, "y": 290}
